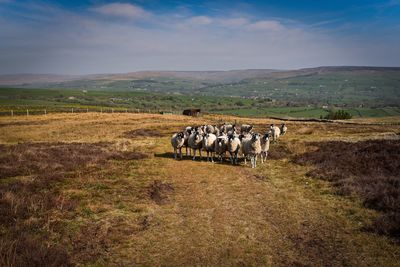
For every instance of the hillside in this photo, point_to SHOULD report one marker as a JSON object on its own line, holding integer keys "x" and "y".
{"x": 347, "y": 86}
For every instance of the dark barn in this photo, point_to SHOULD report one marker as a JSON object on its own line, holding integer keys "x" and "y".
{"x": 192, "y": 112}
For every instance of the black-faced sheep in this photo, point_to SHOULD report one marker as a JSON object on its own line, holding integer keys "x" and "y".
{"x": 195, "y": 142}
{"x": 177, "y": 142}
{"x": 264, "y": 147}
{"x": 233, "y": 147}
{"x": 221, "y": 146}
{"x": 283, "y": 129}
{"x": 251, "y": 147}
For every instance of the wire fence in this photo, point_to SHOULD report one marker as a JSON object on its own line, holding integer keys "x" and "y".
{"x": 45, "y": 111}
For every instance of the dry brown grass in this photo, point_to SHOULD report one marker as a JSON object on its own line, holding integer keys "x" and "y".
{"x": 115, "y": 210}
{"x": 367, "y": 168}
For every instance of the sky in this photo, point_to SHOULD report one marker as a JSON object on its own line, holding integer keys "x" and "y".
{"x": 94, "y": 36}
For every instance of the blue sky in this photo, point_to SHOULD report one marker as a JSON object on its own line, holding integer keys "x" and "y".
{"x": 82, "y": 37}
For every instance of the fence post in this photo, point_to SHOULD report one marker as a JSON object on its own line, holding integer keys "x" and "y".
{"x": 101, "y": 110}
{"x": 12, "y": 113}
{"x": 72, "y": 110}
{"x": 87, "y": 110}
{"x": 112, "y": 110}
{"x": 27, "y": 112}
{"x": 45, "y": 112}
{"x": 126, "y": 110}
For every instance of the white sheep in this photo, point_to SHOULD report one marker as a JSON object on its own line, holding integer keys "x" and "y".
{"x": 275, "y": 133}
{"x": 177, "y": 142}
{"x": 209, "y": 145}
{"x": 233, "y": 147}
{"x": 221, "y": 146}
{"x": 264, "y": 147}
{"x": 195, "y": 142}
{"x": 251, "y": 147}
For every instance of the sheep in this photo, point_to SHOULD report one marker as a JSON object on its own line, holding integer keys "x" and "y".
{"x": 209, "y": 129}
{"x": 221, "y": 146}
{"x": 188, "y": 129}
{"x": 195, "y": 142}
{"x": 199, "y": 129}
{"x": 209, "y": 145}
{"x": 177, "y": 142}
{"x": 187, "y": 133}
{"x": 228, "y": 128}
{"x": 216, "y": 131}
{"x": 251, "y": 147}
{"x": 225, "y": 128}
{"x": 264, "y": 147}
{"x": 245, "y": 128}
{"x": 233, "y": 147}
{"x": 275, "y": 133}
{"x": 283, "y": 129}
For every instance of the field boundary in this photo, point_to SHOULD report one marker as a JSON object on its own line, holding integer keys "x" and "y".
{"x": 332, "y": 121}
{"x": 43, "y": 111}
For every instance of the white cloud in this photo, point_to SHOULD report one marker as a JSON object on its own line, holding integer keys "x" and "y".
{"x": 123, "y": 10}
{"x": 200, "y": 20}
{"x": 266, "y": 25}
{"x": 234, "y": 22}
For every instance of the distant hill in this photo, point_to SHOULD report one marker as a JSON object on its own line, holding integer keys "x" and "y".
{"x": 346, "y": 85}
{"x": 210, "y": 76}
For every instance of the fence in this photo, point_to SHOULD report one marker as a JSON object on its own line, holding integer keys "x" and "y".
{"x": 45, "y": 111}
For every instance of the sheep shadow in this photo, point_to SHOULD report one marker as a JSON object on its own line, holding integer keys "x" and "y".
{"x": 170, "y": 155}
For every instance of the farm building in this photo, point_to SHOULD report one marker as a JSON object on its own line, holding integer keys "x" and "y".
{"x": 192, "y": 112}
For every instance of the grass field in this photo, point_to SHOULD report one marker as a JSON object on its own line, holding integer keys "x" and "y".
{"x": 309, "y": 112}
{"x": 62, "y": 100}
{"x": 104, "y": 190}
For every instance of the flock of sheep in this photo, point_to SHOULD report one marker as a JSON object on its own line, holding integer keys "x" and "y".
{"x": 216, "y": 141}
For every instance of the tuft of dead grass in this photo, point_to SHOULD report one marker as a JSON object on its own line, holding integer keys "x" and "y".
{"x": 158, "y": 191}
{"x": 279, "y": 151}
{"x": 305, "y": 130}
{"x": 142, "y": 133}
{"x": 367, "y": 168}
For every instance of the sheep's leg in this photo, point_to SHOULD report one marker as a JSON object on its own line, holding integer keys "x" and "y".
{"x": 194, "y": 154}
{"x": 174, "y": 153}
{"x": 245, "y": 159}
{"x": 255, "y": 161}
{"x": 262, "y": 157}
{"x": 231, "y": 157}
{"x": 180, "y": 152}
{"x": 201, "y": 157}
